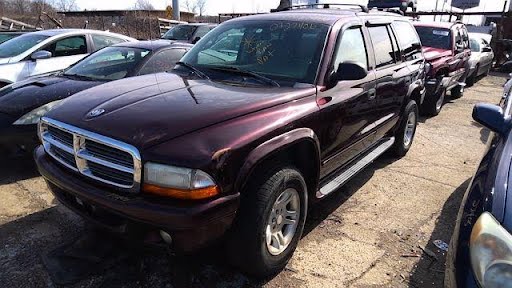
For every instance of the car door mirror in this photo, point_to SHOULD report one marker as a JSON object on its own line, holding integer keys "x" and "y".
{"x": 487, "y": 49}
{"x": 490, "y": 116}
{"x": 459, "y": 48}
{"x": 43, "y": 54}
{"x": 351, "y": 71}
{"x": 196, "y": 40}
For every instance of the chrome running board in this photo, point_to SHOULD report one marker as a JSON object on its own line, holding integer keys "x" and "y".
{"x": 357, "y": 165}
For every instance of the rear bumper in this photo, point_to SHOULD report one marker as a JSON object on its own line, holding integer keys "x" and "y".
{"x": 191, "y": 225}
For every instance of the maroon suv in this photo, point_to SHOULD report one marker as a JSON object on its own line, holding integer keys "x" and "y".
{"x": 264, "y": 116}
{"x": 446, "y": 48}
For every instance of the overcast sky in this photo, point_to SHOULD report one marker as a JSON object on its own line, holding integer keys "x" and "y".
{"x": 214, "y": 7}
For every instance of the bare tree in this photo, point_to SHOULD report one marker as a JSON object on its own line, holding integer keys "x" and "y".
{"x": 189, "y": 5}
{"x": 21, "y": 6}
{"x": 201, "y": 6}
{"x": 143, "y": 5}
{"x": 65, "y": 5}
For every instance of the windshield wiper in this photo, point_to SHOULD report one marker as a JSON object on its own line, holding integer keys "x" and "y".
{"x": 237, "y": 70}
{"x": 81, "y": 77}
{"x": 193, "y": 69}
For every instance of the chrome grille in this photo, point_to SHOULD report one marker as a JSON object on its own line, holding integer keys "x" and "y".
{"x": 93, "y": 155}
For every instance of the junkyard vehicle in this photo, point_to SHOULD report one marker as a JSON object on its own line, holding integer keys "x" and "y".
{"x": 239, "y": 141}
{"x": 402, "y": 4}
{"x": 188, "y": 33}
{"x": 22, "y": 104}
{"x": 446, "y": 48}
{"x": 481, "y": 246}
{"x": 7, "y": 35}
{"x": 480, "y": 62}
{"x": 45, "y": 51}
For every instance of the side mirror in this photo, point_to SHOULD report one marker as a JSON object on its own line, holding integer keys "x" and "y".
{"x": 490, "y": 116}
{"x": 196, "y": 40}
{"x": 459, "y": 47}
{"x": 351, "y": 71}
{"x": 41, "y": 55}
{"x": 487, "y": 49}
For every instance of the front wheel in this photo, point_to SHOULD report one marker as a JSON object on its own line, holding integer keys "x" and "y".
{"x": 270, "y": 221}
{"x": 405, "y": 133}
{"x": 433, "y": 104}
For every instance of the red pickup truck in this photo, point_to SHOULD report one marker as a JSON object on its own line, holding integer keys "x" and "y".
{"x": 446, "y": 49}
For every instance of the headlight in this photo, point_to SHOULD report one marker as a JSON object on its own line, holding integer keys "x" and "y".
{"x": 176, "y": 182}
{"x": 33, "y": 116}
{"x": 491, "y": 253}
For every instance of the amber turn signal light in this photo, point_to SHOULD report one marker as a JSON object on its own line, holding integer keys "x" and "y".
{"x": 196, "y": 194}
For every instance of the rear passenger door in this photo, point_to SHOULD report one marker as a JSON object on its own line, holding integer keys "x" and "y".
{"x": 347, "y": 108}
{"x": 392, "y": 78}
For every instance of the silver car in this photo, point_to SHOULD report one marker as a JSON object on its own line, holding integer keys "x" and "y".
{"x": 481, "y": 56}
{"x": 47, "y": 51}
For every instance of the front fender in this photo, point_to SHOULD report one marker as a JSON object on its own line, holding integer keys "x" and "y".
{"x": 271, "y": 147}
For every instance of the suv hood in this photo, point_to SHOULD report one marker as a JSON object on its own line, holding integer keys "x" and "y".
{"x": 149, "y": 110}
{"x": 432, "y": 53}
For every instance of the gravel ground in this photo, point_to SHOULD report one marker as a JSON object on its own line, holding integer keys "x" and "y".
{"x": 377, "y": 231}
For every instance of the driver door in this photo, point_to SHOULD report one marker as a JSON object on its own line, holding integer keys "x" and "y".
{"x": 65, "y": 52}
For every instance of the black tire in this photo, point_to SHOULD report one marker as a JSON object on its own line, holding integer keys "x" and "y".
{"x": 431, "y": 105}
{"x": 472, "y": 79}
{"x": 403, "y": 140}
{"x": 457, "y": 91}
{"x": 247, "y": 247}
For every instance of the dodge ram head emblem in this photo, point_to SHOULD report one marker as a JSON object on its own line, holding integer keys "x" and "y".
{"x": 96, "y": 112}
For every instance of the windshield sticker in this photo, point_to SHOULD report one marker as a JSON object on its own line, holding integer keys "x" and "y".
{"x": 285, "y": 26}
{"x": 440, "y": 32}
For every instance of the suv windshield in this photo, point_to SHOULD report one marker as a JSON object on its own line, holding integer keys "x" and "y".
{"x": 18, "y": 45}
{"x": 180, "y": 32}
{"x": 279, "y": 50}
{"x": 435, "y": 37}
{"x": 111, "y": 63}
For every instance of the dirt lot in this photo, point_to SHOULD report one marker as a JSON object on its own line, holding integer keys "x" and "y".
{"x": 359, "y": 237}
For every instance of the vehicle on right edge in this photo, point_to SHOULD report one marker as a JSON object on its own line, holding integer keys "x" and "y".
{"x": 447, "y": 51}
{"x": 480, "y": 252}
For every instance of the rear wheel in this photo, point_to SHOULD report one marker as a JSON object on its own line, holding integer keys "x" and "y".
{"x": 270, "y": 221}
{"x": 432, "y": 105}
{"x": 458, "y": 91}
{"x": 404, "y": 135}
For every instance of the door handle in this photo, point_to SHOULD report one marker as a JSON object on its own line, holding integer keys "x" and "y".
{"x": 372, "y": 94}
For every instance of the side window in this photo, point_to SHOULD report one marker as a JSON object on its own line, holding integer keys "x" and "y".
{"x": 465, "y": 38}
{"x": 408, "y": 39}
{"x": 201, "y": 31}
{"x": 70, "y": 46}
{"x": 163, "y": 61}
{"x": 458, "y": 37}
{"x": 351, "y": 48}
{"x": 382, "y": 46}
{"x": 101, "y": 41}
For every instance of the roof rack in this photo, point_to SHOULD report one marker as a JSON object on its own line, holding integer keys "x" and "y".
{"x": 322, "y": 5}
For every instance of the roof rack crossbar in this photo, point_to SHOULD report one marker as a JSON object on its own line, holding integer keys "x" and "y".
{"x": 322, "y": 5}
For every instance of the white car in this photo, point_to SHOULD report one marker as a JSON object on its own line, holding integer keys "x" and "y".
{"x": 47, "y": 51}
{"x": 481, "y": 56}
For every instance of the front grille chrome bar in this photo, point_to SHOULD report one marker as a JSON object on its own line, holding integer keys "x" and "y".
{"x": 126, "y": 177}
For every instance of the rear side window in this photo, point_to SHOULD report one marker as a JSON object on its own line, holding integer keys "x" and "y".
{"x": 70, "y": 46}
{"x": 351, "y": 48}
{"x": 101, "y": 41}
{"x": 163, "y": 61}
{"x": 382, "y": 46}
{"x": 408, "y": 39}
{"x": 201, "y": 31}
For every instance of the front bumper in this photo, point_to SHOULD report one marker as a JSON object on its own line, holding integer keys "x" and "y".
{"x": 191, "y": 225}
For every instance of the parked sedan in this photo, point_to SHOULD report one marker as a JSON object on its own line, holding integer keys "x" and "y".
{"x": 481, "y": 56}
{"x": 41, "y": 52}
{"x": 23, "y": 103}
{"x": 188, "y": 33}
{"x": 8, "y": 35}
{"x": 480, "y": 253}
